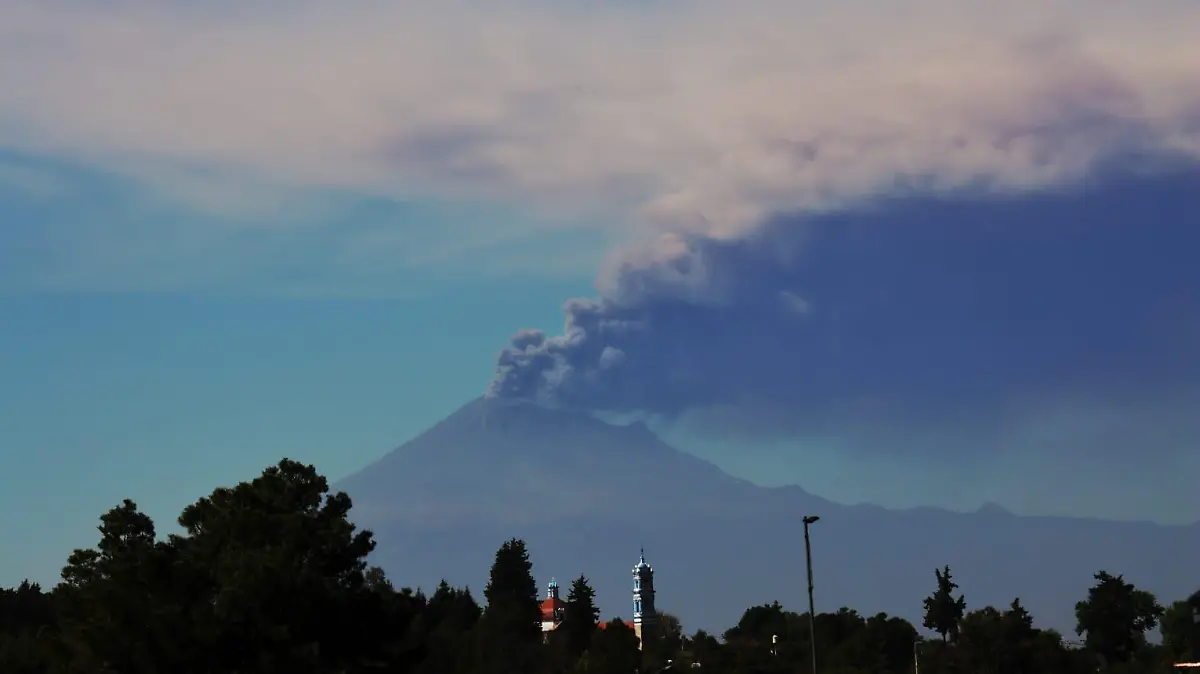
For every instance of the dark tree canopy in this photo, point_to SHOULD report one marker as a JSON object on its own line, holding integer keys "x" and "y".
{"x": 1115, "y": 617}
{"x": 1180, "y": 629}
{"x": 511, "y": 592}
{"x": 664, "y": 641}
{"x": 943, "y": 611}
{"x": 271, "y": 576}
{"x": 580, "y": 617}
{"x": 614, "y": 650}
{"x": 511, "y": 630}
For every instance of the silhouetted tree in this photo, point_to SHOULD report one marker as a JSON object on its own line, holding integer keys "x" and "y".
{"x": 27, "y": 624}
{"x": 1052, "y": 656}
{"x": 1181, "y": 629}
{"x": 943, "y": 611}
{"x": 580, "y": 617}
{"x": 766, "y": 636}
{"x": 270, "y": 577}
{"x": 280, "y": 571}
{"x": 375, "y": 580}
{"x": 447, "y": 630}
{"x": 981, "y": 644}
{"x": 707, "y": 652}
{"x": 510, "y": 629}
{"x": 886, "y": 644}
{"x": 663, "y": 642}
{"x": 1115, "y": 617}
{"x": 124, "y": 604}
{"x": 1194, "y": 603}
{"x": 1018, "y": 638}
{"x": 614, "y": 650}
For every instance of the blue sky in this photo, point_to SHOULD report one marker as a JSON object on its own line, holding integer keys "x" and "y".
{"x": 162, "y": 398}
{"x": 307, "y": 228}
{"x": 161, "y": 395}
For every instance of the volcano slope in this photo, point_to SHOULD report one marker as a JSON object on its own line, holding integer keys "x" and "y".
{"x": 586, "y": 495}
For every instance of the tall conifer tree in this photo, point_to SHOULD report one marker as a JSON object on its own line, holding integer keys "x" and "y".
{"x": 943, "y": 611}
{"x": 510, "y": 631}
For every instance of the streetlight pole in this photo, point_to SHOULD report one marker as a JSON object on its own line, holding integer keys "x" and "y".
{"x": 812, "y": 616}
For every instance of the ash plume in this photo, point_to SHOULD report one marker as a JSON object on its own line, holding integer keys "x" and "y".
{"x": 911, "y": 308}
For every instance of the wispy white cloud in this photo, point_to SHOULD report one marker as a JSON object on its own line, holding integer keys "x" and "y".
{"x": 707, "y": 113}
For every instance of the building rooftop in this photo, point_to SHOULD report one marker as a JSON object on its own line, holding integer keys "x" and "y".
{"x": 551, "y": 608}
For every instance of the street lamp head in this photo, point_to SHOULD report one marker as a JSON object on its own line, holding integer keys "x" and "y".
{"x": 809, "y": 519}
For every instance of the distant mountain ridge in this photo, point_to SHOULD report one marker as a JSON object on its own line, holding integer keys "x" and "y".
{"x": 586, "y": 494}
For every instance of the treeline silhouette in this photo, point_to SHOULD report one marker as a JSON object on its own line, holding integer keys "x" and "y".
{"x": 271, "y": 577}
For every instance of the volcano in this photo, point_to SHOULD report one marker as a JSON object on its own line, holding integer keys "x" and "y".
{"x": 586, "y": 495}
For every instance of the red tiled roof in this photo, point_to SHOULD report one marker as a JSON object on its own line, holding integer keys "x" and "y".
{"x": 604, "y": 624}
{"x": 550, "y": 607}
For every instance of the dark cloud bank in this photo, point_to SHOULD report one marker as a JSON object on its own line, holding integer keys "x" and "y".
{"x": 912, "y": 309}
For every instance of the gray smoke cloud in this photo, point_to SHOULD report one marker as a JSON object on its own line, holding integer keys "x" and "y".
{"x": 908, "y": 309}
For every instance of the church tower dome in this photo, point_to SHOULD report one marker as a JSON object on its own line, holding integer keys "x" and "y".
{"x": 643, "y": 596}
{"x": 552, "y": 609}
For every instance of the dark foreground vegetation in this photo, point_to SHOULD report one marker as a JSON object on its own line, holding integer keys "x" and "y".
{"x": 270, "y": 577}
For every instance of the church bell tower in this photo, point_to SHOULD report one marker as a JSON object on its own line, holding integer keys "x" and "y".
{"x": 643, "y": 598}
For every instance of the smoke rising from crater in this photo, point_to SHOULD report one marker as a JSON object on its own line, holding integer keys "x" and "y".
{"x": 908, "y": 311}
